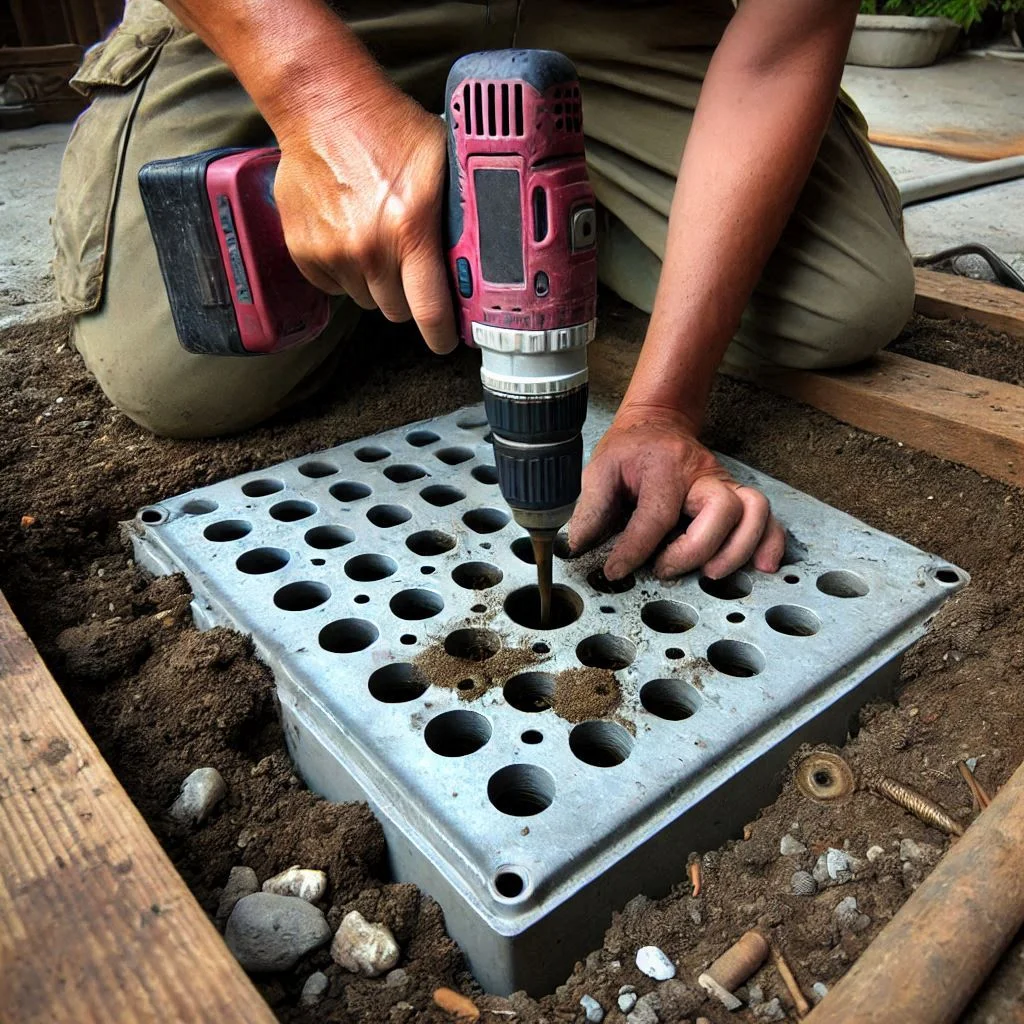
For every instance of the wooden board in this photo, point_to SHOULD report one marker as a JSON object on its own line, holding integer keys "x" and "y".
{"x": 95, "y": 923}
{"x": 957, "y": 416}
{"x": 949, "y": 297}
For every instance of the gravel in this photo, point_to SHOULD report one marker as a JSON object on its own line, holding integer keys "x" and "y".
{"x": 267, "y": 932}
{"x": 364, "y": 948}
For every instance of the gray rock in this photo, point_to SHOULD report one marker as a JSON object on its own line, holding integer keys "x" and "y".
{"x": 803, "y": 883}
{"x": 592, "y": 1009}
{"x": 396, "y": 978}
{"x": 790, "y": 847}
{"x": 755, "y": 995}
{"x": 306, "y": 883}
{"x": 654, "y": 963}
{"x": 242, "y": 882}
{"x": 270, "y": 933}
{"x": 874, "y": 852}
{"x": 770, "y": 1011}
{"x": 201, "y": 791}
{"x": 627, "y": 998}
{"x": 645, "y": 1011}
{"x": 848, "y": 917}
{"x": 819, "y": 990}
{"x": 970, "y": 264}
{"x": 919, "y": 853}
{"x": 832, "y": 866}
{"x": 364, "y": 948}
{"x": 314, "y": 990}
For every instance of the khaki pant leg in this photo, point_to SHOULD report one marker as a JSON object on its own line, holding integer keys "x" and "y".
{"x": 839, "y": 285}
{"x": 157, "y": 92}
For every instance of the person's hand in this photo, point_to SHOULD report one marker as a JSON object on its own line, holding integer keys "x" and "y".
{"x": 650, "y": 468}
{"x": 360, "y": 196}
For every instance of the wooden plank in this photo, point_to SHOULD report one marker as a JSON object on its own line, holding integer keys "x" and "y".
{"x": 95, "y": 923}
{"x": 948, "y": 297}
{"x": 957, "y": 416}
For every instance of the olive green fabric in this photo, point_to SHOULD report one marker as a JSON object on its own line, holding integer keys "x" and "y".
{"x": 838, "y": 287}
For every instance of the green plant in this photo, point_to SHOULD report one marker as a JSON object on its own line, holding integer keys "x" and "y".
{"x": 964, "y": 12}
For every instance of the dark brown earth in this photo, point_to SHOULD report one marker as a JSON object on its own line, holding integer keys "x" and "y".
{"x": 161, "y": 699}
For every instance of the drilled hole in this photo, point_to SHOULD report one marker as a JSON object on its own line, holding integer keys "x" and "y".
{"x": 349, "y": 490}
{"x": 427, "y": 570}
{"x": 792, "y": 620}
{"x": 947, "y": 576}
{"x": 301, "y": 596}
{"x": 790, "y": 578}
{"x": 416, "y": 604}
{"x": 840, "y": 583}
{"x": 262, "y": 560}
{"x": 292, "y": 511}
{"x": 318, "y": 561}
{"x": 325, "y": 538}
{"x": 466, "y": 684}
{"x": 454, "y": 455}
{"x": 532, "y": 736}
{"x": 736, "y": 658}
{"x": 485, "y": 474}
{"x": 262, "y": 487}
{"x": 674, "y": 653}
{"x": 430, "y": 542}
{"x": 457, "y": 733}
{"x": 509, "y": 883}
{"x": 521, "y": 790}
{"x": 404, "y": 472}
{"x": 669, "y": 616}
{"x": 670, "y": 699}
{"x": 361, "y": 598}
{"x": 523, "y": 550}
{"x": 472, "y": 644}
{"x": 603, "y": 585}
{"x": 152, "y": 516}
{"x": 476, "y": 575}
{"x": 317, "y": 468}
{"x": 601, "y": 744}
{"x": 728, "y": 588}
{"x": 530, "y": 691}
{"x": 485, "y": 520}
{"x": 227, "y": 529}
{"x": 441, "y": 495}
{"x": 346, "y": 636}
{"x": 408, "y": 639}
{"x": 607, "y": 609}
{"x": 735, "y": 617}
{"x": 421, "y": 438}
{"x": 523, "y": 606}
{"x": 367, "y": 568}
{"x": 371, "y": 453}
{"x": 398, "y": 683}
{"x": 539, "y": 648}
{"x": 387, "y": 516}
{"x": 471, "y": 419}
{"x": 606, "y": 651}
{"x": 199, "y": 507}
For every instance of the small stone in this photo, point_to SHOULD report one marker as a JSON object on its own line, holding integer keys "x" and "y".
{"x": 836, "y": 862}
{"x": 770, "y": 1011}
{"x": 819, "y": 989}
{"x": 645, "y": 1011}
{"x": 627, "y": 1000}
{"x": 790, "y": 847}
{"x": 755, "y": 995}
{"x": 270, "y": 933}
{"x": 364, "y": 948}
{"x": 242, "y": 882}
{"x": 919, "y": 852}
{"x": 592, "y": 1010}
{"x": 654, "y": 963}
{"x": 874, "y": 852}
{"x": 200, "y": 793}
{"x": 396, "y": 978}
{"x": 972, "y": 763}
{"x": 803, "y": 883}
{"x": 848, "y": 917}
{"x": 314, "y": 989}
{"x": 974, "y": 266}
{"x": 306, "y": 883}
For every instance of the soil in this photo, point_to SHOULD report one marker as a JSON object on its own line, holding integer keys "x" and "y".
{"x": 161, "y": 699}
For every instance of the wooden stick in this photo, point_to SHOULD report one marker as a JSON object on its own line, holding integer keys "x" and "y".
{"x": 978, "y": 794}
{"x": 803, "y": 1007}
{"x": 949, "y": 297}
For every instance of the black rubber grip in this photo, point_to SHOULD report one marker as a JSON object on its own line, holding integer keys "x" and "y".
{"x": 537, "y": 420}
{"x": 540, "y": 476}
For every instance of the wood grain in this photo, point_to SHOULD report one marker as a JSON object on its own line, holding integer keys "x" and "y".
{"x": 95, "y": 923}
{"x": 957, "y": 416}
{"x": 948, "y": 297}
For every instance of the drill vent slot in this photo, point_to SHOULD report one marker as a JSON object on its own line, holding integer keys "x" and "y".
{"x": 493, "y": 110}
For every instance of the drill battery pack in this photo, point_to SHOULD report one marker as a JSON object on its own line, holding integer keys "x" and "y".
{"x": 232, "y": 285}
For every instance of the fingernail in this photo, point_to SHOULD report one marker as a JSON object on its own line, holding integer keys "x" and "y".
{"x": 613, "y": 571}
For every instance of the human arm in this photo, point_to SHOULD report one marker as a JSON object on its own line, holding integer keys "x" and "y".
{"x": 764, "y": 107}
{"x": 360, "y": 183}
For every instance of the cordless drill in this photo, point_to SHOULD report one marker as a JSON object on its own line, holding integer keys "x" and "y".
{"x": 521, "y": 237}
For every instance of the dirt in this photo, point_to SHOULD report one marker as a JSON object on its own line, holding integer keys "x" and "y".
{"x": 161, "y": 699}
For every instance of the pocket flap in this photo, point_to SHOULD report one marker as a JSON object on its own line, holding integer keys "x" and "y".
{"x": 123, "y": 57}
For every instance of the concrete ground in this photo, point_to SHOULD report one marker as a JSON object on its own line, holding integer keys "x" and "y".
{"x": 974, "y": 97}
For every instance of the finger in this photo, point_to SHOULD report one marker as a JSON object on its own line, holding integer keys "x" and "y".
{"x": 718, "y": 509}
{"x": 657, "y": 511}
{"x": 769, "y": 553}
{"x": 741, "y": 544}
{"x": 338, "y": 282}
{"x": 597, "y": 506}
{"x": 426, "y": 289}
{"x": 390, "y": 298}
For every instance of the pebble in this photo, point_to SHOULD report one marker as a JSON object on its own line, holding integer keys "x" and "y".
{"x": 645, "y": 1011}
{"x": 874, "y": 852}
{"x": 917, "y": 852}
{"x": 832, "y": 865}
{"x": 654, "y": 963}
{"x": 803, "y": 883}
{"x": 306, "y": 883}
{"x": 396, "y": 978}
{"x": 755, "y": 995}
{"x": 314, "y": 990}
{"x": 592, "y": 1009}
{"x": 848, "y": 916}
{"x": 820, "y": 990}
{"x": 200, "y": 793}
{"x": 364, "y": 948}
{"x": 770, "y": 1011}
{"x": 627, "y": 998}
{"x": 974, "y": 266}
{"x": 242, "y": 882}
{"x": 270, "y": 933}
{"x": 790, "y": 847}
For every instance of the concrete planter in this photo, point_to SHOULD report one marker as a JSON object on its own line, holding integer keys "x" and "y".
{"x": 900, "y": 41}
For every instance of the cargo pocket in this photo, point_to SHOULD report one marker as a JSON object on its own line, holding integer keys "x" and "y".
{"x": 113, "y": 76}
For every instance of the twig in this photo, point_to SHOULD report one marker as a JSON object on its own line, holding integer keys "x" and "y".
{"x": 978, "y": 794}
{"x": 918, "y": 804}
{"x": 695, "y": 876}
{"x": 803, "y": 1007}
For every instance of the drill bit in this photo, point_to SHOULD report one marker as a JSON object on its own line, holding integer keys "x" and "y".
{"x": 543, "y": 544}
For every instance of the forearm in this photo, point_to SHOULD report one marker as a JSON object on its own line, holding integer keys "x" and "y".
{"x": 764, "y": 107}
